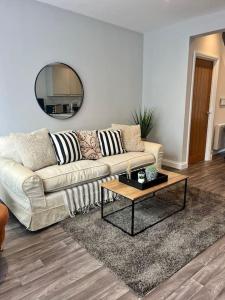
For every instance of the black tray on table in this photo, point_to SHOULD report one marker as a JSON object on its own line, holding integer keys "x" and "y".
{"x": 146, "y": 184}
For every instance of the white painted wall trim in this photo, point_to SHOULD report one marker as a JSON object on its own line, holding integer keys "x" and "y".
{"x": 212, "y": 104}
{"x": 174, "y": 164}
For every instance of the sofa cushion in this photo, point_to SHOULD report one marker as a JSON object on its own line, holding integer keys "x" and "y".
{"x": 110, "y": 142}
{"x": 67, "y": 147}
{"x": 131, "y": 135}
{"x": 89, "y": 144}
{"x": 65, "y": 176}
{"x": 35, "y": 149}
{"x": 119, "y": 163}
{"x": 8, "y": 148}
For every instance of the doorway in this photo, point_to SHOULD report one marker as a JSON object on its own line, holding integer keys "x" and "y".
{"x": 200, "y": 109}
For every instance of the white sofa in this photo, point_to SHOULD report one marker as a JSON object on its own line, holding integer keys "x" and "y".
{"x": 37, "y": 198}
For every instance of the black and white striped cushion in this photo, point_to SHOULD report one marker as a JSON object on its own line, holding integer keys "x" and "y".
{"x": 110, "y": 142}
{"x": 66, "y": 147}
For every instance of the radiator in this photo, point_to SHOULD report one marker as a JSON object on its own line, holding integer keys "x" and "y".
{"x": 219, "y": 137}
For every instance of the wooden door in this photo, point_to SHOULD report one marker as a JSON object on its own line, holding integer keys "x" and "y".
{"x": 200, "y": 109}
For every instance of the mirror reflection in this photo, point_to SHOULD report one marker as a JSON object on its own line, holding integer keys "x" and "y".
{"x": 59, "y": 91}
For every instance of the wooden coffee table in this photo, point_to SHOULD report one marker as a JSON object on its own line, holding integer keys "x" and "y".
{"x": 136, "y": 196}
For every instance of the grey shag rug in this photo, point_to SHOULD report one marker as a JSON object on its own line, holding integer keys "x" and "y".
{"x": 149, "y": 258}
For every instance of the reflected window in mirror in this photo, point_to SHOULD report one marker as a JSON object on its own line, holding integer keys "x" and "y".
{"x": 59, "y": 91}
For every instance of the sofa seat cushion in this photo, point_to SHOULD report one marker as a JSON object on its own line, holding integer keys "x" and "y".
{"x": 59, "y": 177}
{"x": 119, "y": 163}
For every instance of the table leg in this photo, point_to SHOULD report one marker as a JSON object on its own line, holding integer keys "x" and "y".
{"x": 132, "y": 219}
{"x": 185, "y": 193}
{"x": 102, "y": 201}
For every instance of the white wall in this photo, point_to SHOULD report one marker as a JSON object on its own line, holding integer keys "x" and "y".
{"x": 166, "y": 53}
{"x": 107, "y": 58}
{"x": 220, "y": 110}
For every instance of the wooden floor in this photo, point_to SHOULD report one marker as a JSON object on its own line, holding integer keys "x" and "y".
{"x": 51, "y": 265}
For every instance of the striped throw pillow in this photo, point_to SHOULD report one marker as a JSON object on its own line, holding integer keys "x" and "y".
{"x": 66, "y": 147}
{"x": 110, "y": 142}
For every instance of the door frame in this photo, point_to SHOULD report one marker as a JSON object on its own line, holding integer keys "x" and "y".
{"x": 212, "y": 103}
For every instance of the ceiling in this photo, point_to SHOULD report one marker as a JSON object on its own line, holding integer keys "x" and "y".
{"x": 140, "y": 15}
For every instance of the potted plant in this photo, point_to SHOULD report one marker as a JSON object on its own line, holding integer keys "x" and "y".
{"x": 144, "y": 118}
{"x": 151, "y": 172}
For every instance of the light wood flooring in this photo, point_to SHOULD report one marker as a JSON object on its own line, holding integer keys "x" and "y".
{"x": 51, "y": 265}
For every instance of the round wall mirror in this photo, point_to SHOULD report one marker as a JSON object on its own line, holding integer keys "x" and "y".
{"x": 59, "y": 91}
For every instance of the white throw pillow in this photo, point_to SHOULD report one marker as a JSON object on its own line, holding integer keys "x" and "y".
{"x": 35, "y": 149}
{"x": 131, "y": 135}
{"x": 8, "y": 148}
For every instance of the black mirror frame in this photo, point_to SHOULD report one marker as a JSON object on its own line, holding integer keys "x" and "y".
{"x": 82, "y": 88}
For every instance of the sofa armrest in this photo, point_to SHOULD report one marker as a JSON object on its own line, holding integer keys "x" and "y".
{"x": 156, "y": 150}
{"x": 21, "y": 182}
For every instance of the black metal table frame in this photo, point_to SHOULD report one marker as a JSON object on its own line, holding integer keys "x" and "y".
{"x": 104, "y": 217}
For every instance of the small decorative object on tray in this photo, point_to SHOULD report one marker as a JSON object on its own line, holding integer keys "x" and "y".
{"x": 151, "y": 172}
{"x": 135, "y": 177}
{"x": 141, "y": 176}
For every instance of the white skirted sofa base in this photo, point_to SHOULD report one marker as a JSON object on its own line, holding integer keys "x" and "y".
{"x": 42, "y": 198}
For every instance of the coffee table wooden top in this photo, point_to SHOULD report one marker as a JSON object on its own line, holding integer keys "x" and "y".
{"x": 136, "y": 194}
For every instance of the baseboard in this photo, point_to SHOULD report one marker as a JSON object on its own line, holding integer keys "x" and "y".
{"x": 175, "y": 164}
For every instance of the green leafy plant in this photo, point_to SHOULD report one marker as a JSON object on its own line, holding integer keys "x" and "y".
{"x": 145, "y": 119}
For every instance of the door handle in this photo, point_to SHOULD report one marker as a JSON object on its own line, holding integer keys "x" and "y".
{"x": 208, "y": 112}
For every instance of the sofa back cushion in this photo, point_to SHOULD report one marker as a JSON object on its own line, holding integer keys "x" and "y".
{"x": 89, "y": 144}
{"x": 131, "y": 135}
{"x": 67, "y": 148}
{"x": 110, "y": 142}
{"x": 8, "y": 148}
{"x": 35, "y": 149}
